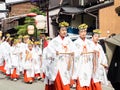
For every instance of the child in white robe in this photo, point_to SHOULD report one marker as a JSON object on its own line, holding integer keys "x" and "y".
{"x": 38, "y": 63}
{"x": 30, "y": 60}
{"x": 15, "y": 61}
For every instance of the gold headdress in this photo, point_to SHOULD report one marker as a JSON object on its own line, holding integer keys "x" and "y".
{"x": 37, "y": 43}
{"x": 15, "y": 41}
{"x": 97, "y": 31}
{"x": 8, "y": 35}
{"x": 20, "y": 37}
{"x": 11, "y": 38}
{"x": 83, "y": 26}
{"x": 63, "y": 24}
{"x": 26, "y": 36}
{"x": 30, "y": 42}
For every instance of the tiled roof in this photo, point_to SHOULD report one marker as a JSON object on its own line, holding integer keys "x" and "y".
{"x": 56, "y": 3}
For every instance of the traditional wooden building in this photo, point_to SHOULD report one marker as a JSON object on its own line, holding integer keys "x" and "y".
{"x": 19, "y": 7}
{"x": 17, "y": 10}
{"x": 79, "y": 11}
{"x": 109, "y": 19}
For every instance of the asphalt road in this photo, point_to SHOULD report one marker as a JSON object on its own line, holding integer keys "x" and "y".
{"x": 7, "y": 84}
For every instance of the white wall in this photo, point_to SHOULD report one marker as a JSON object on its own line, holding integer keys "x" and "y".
{"x": 2, "y": 7}
{"x": 51, "y": 29}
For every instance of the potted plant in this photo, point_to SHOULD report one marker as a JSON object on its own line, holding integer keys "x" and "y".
{"x": 117, "y": 10}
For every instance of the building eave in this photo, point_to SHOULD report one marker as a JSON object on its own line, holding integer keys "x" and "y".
{"x": 71, "y": 10}
{"x": 64, "y": 3}
{"x": 99, "y": 6}
{"x": 3, "y": 11}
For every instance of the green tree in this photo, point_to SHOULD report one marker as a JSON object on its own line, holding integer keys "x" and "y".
{"x": 22, "y": 29}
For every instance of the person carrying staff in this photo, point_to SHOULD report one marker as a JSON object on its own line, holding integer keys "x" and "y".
{"x": 99, "y": 77}
{"x": 83, "y": 62}
{"x": 61, "y": 48}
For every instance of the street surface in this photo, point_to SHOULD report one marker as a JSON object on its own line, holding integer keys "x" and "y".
{"x": 7, "y": 84}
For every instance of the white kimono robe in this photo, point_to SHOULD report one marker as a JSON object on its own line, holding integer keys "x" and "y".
{"x": 6, "y": 55}
{"x": 29, "y": 64}
{"x": 101, "y": 61}
{"x": 83, "y": 63}
{"x": 46, "y": 64}
{"x": 15, "y": 59}
{"x": 37, "y": 65}
{"x": 22, "y": 48}
{"x": 1, "y": 56}
{"x": 60, "y": 62}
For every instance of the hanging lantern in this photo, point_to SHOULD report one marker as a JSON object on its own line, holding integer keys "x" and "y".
{"x": 40, "y": 22}
{"x": 41, "y": 25}
{"x": 30, "y": 29}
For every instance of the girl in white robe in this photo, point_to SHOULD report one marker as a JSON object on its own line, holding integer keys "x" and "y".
{"x": 2, "y": 61}
{"x": 22, "y": 49}
{"x": 84, "y": 60}
{"x": 61, "y": 58}
{"x": 15, "y": 70}
{"x": 49, "y": 85}
{"x": 38, "y": 63}
{"x": 99, "y": 77}
{"x": 6, "y": 55}
{"x": 30, "y": 60}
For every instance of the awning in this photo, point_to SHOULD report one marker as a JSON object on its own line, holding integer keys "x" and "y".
{"x": 99, "y": 6}
{"x": 71, "y": 10}
{"x": 54, "y": 12}
{"x": 111, "y": 44}
{"x": 114, "y": 40}
{"x": 11, "y": 22}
